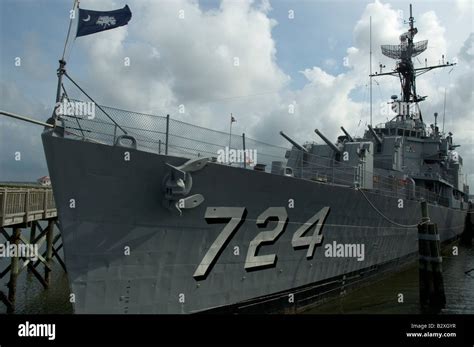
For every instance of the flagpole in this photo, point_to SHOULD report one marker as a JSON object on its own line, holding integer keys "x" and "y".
{"x": 76, "y": 3}
{"x": 230, "y": 131}
{"x": 124, "y": 15}
{"x": 60, "y": 73}
{"x": 62, "y": 63}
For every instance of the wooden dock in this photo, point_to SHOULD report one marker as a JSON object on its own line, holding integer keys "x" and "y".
{"x": 22, "y": 208}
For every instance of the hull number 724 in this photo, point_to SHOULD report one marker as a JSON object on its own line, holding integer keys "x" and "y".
{"x": 234, "y": 217}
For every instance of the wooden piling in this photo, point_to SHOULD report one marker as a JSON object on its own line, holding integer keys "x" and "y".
{"x": 468, "y": 232}
{"x": 14, "y": 270}
{"x": 32, "y": 236}
{"x": 16, "y": 216}
{"x": 438, "y": 299}
{"x": 432, "y": 296}
{"x": 49, "y": 251}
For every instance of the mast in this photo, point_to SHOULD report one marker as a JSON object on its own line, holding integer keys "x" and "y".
{"x": 62, "y": 63}
{"x": 60, "y": 73}
{"x": 409, "y": 76}
{"x": 230, "y": 130}
{"x": 405, "y": 70}
{"x": 370, "y": 68}
{"x": 444, "y": 108}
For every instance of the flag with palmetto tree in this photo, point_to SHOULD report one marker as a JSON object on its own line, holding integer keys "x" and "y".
{"x": 91, "y": 22}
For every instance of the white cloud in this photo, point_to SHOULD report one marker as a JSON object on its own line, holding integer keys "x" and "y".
{"x": 464, "y": 7}
{"x": 191, "y": 61}
{"x": 183, "y": 55}
{"x": 20, "y": 140}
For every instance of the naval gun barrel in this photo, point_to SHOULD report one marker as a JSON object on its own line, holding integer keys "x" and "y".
{"x": 374, "y": 134}
{"x": 349, "y": 137}
{"x": 329, "y": 143}
{"x": 290, "y": 140}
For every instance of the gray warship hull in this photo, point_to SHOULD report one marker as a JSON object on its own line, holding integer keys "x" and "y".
{"x": 128, "y": 253}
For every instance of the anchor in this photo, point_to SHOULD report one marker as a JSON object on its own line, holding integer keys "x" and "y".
{"x": 178, "y": 182}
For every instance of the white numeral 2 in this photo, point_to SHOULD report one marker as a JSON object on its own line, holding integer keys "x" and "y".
{"x": 254, "y": 261}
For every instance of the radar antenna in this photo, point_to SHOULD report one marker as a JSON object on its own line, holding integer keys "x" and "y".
{"x": 404, "y": 70}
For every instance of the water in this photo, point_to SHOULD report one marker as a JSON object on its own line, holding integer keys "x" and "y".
{"x": 31, "y": 297}
{"x": 380, "y": 297}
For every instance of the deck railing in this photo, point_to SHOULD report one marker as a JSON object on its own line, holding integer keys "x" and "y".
{"x": 25, "y": 204}
{"x": 163, "y": 135}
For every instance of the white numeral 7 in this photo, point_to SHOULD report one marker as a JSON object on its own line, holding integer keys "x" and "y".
{"x": 235, "y": 216}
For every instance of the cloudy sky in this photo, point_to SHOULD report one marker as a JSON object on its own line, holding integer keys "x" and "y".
{"x": 313, "y": 55}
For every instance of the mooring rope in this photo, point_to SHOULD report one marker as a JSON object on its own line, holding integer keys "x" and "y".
{"x": 388, "y": 219}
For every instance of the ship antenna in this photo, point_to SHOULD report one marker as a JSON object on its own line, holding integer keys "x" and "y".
{"x": 406, "y": 72}
{"x": 444, "y": 108}
{"x": 370, "y": 67}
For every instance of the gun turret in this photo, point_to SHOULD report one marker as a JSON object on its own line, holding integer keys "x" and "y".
{"x": 301, "y": 148}
{"x": 329, "y": 143}
{"x": 374, "y": 134}
{"x": 349, "y": 137}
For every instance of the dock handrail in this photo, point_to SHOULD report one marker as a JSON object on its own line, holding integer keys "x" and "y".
{"x": 25, "y": 204}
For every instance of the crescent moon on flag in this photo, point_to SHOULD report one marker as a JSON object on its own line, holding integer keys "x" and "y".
{"x": 88, "y": 18}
